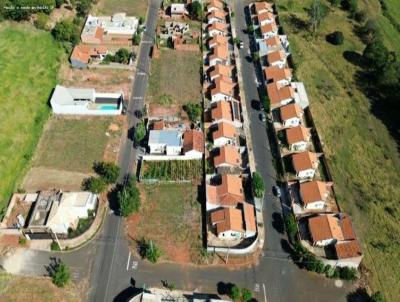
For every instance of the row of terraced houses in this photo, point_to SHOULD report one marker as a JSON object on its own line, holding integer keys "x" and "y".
{"x": 323, "y": 229}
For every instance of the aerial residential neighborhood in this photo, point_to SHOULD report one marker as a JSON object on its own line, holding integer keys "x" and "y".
{"x": 199, "y": 150}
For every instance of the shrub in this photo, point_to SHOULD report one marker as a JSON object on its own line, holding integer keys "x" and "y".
{"x": 193, "y": 111}
{"x": 140, "y": 132}
{"x": 55, "y": 247}
{"x": 291, "y": 227}
{"x": 377, "y": 297}
{"x": 195, "y": 10}
{"x": 136, "y": 39}
{"x": 335, "y": 38}
{"x": 83, "y": 7}
{"x": 66, "y": 31}
{"x": 22, "y": 241}
{"x": 60, "y": 275}
{"x": 122, "y": 56}
{"x": 235, "y": 293}
{"x": 246, "y": 295}
{"x": 93, "y": 184}
{"x": 148, "y": 250}
{"x": 41, "y": 21}
{"x": 258, "y": 185}
{"x": 129, "y": 199}
{"x": 347, "y": 273}
{"x": 108, "y": 171}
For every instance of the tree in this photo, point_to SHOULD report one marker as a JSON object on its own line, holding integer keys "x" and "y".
{"x": 60, "y": 274}
{"x": 136, "y": 39}
{"x": 195, "y": 10}
{"x": 129, "y": 199}
{"x": 347, "y": 273}
{"x": 369, "y": 32}
{"x": 291, "y": 227}
{"x": 83, "y": 7}
{"x": 149, "y": 250}
{"x": 246, "y": 295}
{"x": 316, "y": 13}
{"x": 122, "y": 56}
{"x": 193, "y": 111}
{"x": 93, "y": 184}
{"x": 376, "y": 55}
{"x": 377, "y": 297}
{"x": 141, "y": 20}
{"x": 11, "y": 9}
{"x": 140, "y": 132}
{"x": 258, "y": 185}
{"x": 235, "y": 293}
{"x": 335, "y": 38}
{"x": 108, "y": 171}
{"x": 66, "y": 31}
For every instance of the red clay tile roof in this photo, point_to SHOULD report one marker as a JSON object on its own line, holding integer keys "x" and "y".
{"x": 219, "y": 69}
{"x": 278, "y": 94}
{"x": 228, "y": 155}
{"x": 80, "y": 55}
{"x": 218, "y": 39}
{"x": 270, "y": 27}
{"x": 249, "y": 217}
{"x": 220, "y": 51}
{"x": 290, "y": 111}
{"x": 304, "y": 160}
{"x": 99, "y": 33}
{"x": 216, "y": 3}
{"x": 348, "y": 249}
{"x": 223, "y": 85}
{"x": 229, "y": 193}
{"x": 265, "y": 16}
{"x": 261, "y": 6}
{"x": 218, "y": 14}
{"x": 193, "y": 140}
{"x": 297, "y": 134}
{"x": 324, "y": 227}
{"x": 272, "y": 41}
{"x": 277, "y": 74}
{"x": 228, "y": 219}
{"x": 347, "y": 227}
{"x": 313, "y": 191}
{"x": 276, "y": 56}
{"x": 218, "y": 26}
{"x": 225, "y": 130}
{"x": 222, "y": 111}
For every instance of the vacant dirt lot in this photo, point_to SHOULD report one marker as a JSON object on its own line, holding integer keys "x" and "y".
{"x": 171, "y": 216}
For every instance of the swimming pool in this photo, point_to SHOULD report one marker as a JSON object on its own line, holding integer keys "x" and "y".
{"x": 108, "y": 107}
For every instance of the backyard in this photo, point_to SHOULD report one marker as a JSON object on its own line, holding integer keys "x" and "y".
{"x": 171, "y": 216}
{"x": 174, "y": 81}
{"x": 27, "y": 78}
{"x": 362, "y": 155}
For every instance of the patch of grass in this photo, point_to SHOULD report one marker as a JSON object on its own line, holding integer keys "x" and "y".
{"x": 171, "y": 216}
{"x": 73, "y": 144}
{"x": 27, "y": 78}
{"x": 362, "y": 155}
{"x": 130, "y": 7}
{"x": 175, "y": 75}
{"x": 172, "y": 170}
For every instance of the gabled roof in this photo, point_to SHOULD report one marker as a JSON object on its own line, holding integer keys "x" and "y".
{"x": 265, "y": 16}
{"x": 297, "y": 134}
{"x": 325, "y": 227}
{"x": 277, "y": 74}
{"x": 222, "y": 111}
{"x": 313, "y": 191}
{"x": 290, "y": 111}
{"x": 218, "y": 39}
{"x": 223, "y": 70}
{"x": 273, "y": 41}
{"x": 215, "y": 3}
{"x": 220, "y": 52}
{"x": 229, "y": 193}
{"x": 223, "y": 85}
{"x": 228, "y": 155}
{"x": 261, "y": 6}
{"x": 83, "y": 52}
{"x": 304, "y": 160}
{"x": 228, "y": 219}
{"x": 218, "y": 26}
{"x": 278, "y": 94}
{"x": 218, "y": 14}
{"x": 270, "y": 27}
{"x": 193, "y": 140}
{"x": 249, "y": 217}
{"x": 276, "y": 56}
{"x": 348, "y": 249}
{"x": 225, "y": 130}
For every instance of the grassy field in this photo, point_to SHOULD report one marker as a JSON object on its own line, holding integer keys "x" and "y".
{"x": 130, "y": 7}
{"x": 170, "y": 215}
{"x": 363, "y": 157}
{"x": 73, "y": 144}
{"x": 14, "y": 289}
{"x": 27, "y": 78}
{"x": 175, "y": 78}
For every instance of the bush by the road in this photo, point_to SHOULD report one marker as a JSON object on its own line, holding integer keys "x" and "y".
{"x": 60, "y": 275}
{"x": 129, "y": 199}
{"x": 108, "y": 171}
{"x": 94, "y": 184}
{"x": 149, "y": 250}
{"x": 258, "y": 185}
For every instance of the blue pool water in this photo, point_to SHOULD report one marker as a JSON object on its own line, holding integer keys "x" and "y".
{"x": 108, "y": 107}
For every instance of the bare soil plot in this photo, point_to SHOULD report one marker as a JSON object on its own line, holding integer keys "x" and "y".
{"x": 174, "y": 81}
{"x": 171, "y": 216}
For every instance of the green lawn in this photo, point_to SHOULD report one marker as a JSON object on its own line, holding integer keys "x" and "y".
{"x": 29, "y": 63}
{"x": 73, "y": 144}
{"x": 130, "y": 7}
{"x": 363, "y": 157}
{"x": 171, "y": 216}
{"x": 175, "y": 78}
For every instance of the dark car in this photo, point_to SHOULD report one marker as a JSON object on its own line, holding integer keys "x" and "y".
{"x": 262, "y": 117}
{"x": 277, "y": 191}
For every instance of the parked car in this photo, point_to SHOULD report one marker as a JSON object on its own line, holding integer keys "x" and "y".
{"x": 241, "y": 44}
{"x": 262, "y": 116}
{"x": 277, "y": 191}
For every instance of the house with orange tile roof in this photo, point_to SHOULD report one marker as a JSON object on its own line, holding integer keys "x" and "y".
{"x": 83, "y": 54}
{"x": 269, "y": 30}
{"x": 280, "y": 76}
{"x": 291, "y": 115}
{"x": 262, "y": 7}
{"x": 228, "y": 156}
{"x": 228, "y": 193}
{"x": 228, "y": 223}
{"x": 305, "y": 164}
{"x": 219, "y": 70}
{"x": 277, "y": 58}
{"x": 226, "y": 111}
{"x": 217, "y": 40}
{"x": 215, "y": 5}
{"x": 217, "y": 29}
{"x": 314, "y": 194}
{"x": 224, "y": 134}
{"x": 249, "y": 218}
{"x": 297, "y": 138}
{"x": 193, "y": 143}
{"x": 223, "y": 89}
{"x": 219, "y": 55}
{"x": 349, "y": 250}
{"x": 274, "y": 41}
{"x": 265, "y": 18}
{"x": 279, "y": 96}
{"x": 216, "y": 16}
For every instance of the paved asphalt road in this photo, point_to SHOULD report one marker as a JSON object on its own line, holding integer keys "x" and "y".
{"x": 108, "y": 264}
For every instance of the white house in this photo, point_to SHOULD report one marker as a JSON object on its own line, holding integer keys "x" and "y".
{"x": 178, "y": 9}
{"x": 305, "y": 164}
{"x": 297, "y": 138}
{"x": 168, "y": 142}
{"x": 85, "y": 101}
{"x": 291, "y": 115}
{"x": 314, "y": 195}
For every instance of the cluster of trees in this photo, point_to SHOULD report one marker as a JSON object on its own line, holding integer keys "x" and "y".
{"x": 19, "y": 10}
{"x": 195, "y": 10}
{"x": 149, "y": 250}
{"x": 67, "y": 31}
{"x": 107, "y": 172}
{"x": 128, "y": 198}
{"x": 194, "y": 111}
{"x": 122, "y": 56}
{"x": 258, "y": 185}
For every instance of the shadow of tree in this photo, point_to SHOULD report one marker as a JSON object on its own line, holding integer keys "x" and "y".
{"x": 277, "y": 222}
{"x": 353, "y": 57}
{"x": 359, "y": 295}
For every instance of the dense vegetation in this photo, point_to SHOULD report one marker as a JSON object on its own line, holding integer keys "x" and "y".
{"x": 128, "y": 198}
{"x": 169, "y": 170}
